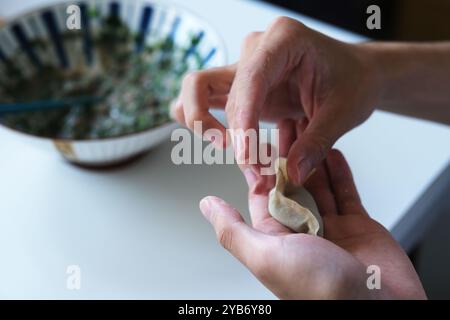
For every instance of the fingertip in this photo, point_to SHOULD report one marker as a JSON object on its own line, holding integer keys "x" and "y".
{"x": 214, "y": 200}
{"x": 210, "y": 206}
{"x": 205, "y": 208}
{"x": 176, "y": 112}
{"x": 218, "y": 205}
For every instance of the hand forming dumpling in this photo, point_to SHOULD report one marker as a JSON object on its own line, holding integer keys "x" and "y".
{"x": 293, "y": 207}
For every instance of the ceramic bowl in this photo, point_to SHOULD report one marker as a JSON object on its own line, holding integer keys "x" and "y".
{"x": 148, "y": 21}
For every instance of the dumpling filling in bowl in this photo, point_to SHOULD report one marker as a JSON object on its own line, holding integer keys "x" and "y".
{"x": 112, "y": 80}
{"x": 132, "y": 89}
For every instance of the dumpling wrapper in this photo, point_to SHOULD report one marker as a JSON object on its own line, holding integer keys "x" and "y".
{"x": 293, "y": 207}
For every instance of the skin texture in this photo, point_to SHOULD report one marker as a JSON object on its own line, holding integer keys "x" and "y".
{"x": 301, "y": 266}
{"x": 290, "y": 72}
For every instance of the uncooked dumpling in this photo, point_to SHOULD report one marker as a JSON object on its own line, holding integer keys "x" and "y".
{"x": 293, "y": 206}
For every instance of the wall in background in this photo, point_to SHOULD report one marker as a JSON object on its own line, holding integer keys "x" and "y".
{"x": 401, "y": 19}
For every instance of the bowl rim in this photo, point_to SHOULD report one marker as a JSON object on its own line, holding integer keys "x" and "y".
{"x": 100, "y": 139}
{"x": 166, "y": 4}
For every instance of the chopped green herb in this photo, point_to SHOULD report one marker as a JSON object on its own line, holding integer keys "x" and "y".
{"x": 138, "y": 87}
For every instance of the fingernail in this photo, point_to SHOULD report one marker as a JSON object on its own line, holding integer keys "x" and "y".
{"x": 304, "y": 171}
{"x": 205, "y": 208}
{"x": 250, "y": 177}
{"x": 310, "y": 174}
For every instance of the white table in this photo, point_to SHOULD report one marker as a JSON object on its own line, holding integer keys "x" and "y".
{"x": 137, "y": 232}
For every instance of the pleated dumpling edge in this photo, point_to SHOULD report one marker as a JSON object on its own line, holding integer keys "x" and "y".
{"x": 293, "y": 207}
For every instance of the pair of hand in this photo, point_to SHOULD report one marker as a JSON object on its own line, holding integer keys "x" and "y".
{"x": 284, "y": 75}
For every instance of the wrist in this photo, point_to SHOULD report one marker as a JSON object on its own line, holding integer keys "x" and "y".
{"x": 382, "y": 70}
{"x": 395, "y": 71}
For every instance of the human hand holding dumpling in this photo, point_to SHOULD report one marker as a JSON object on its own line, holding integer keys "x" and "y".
{"x": 302, "y": 266}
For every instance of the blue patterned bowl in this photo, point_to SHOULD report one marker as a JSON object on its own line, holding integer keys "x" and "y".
{"x": 49, "y": 37}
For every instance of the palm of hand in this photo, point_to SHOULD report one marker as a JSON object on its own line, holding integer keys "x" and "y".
{"x": 291, "y": 256}
{"x": 338, "y": 261}
{"x": 301, "y": 266}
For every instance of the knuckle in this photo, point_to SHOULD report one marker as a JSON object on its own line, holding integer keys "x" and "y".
{"x": 288, "y": 28}
{"x": 251, "y": 39}
{"x": 282, "y": 22}
{"x": 194, "y": 78}
{"x": 256, "y": 71}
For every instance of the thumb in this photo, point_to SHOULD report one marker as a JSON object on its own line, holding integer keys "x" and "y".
{"x": 243, "y": 242}
{"x": 311, "y": 147}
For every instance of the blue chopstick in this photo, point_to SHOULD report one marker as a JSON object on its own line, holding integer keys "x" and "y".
{"x": 47, "y": 104}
